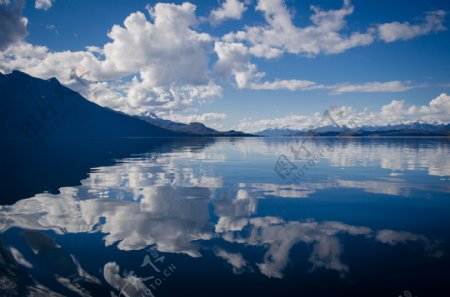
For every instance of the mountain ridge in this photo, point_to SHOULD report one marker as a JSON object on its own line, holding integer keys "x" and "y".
{"x": 196, "y": 128}
{"x": 416, "y": 128}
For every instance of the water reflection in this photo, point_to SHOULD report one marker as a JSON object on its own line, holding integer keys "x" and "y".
{"x": 195, "y": 201}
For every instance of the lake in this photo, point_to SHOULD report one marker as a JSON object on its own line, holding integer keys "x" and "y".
{"x": 231, "y": 217}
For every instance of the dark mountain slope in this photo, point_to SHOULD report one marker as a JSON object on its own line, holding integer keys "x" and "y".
{"x": 40, "y": 109}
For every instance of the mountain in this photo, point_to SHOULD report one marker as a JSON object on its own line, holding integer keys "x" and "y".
{"x": 276, "y": 132}
{"x": 39, "y": 110}
{"x": 404, "y": 129}
{"x": 192, "y": 128}
{"x": 279, "y": 132}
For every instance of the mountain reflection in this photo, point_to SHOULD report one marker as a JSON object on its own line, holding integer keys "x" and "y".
{"x": 181, "y": 201}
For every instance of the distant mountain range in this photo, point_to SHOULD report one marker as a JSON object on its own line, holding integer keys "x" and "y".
{"x": 192, "y": 128}
{"x": 405, "y": 129}
{"x": 45, "y": 109}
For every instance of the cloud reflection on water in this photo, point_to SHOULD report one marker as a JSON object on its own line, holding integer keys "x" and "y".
{"x": 179, "y": 203}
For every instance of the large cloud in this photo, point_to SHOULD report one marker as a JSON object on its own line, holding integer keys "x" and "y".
{"x": 164, "y": 51}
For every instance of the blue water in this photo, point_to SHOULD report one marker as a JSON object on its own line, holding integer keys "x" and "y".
{"x": 366, "y": 217}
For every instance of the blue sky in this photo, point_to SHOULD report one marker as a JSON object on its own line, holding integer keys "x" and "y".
{"x": 245, "y": 65}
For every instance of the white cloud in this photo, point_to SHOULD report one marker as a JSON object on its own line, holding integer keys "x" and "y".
{"x": 234, "y": 60}
{"x": 434, "y": 22}
{"x": 136, "y": 98}
{"x": 291, "y": 121}
{"x": 264, "y": 51}
{"x": 39, "y": 61}
{"x": 305, "y": 85}
{"x": 230, "y": 9}
{"x": 291, "y": 85}
{"x": 202, "y": 118}
{"x": 322, "y": 36}
{"x": 43, "y": 4}
{"x": 437, "y": 110}
{"x": 165, "y": 51}
{"x": 390, "y": 86}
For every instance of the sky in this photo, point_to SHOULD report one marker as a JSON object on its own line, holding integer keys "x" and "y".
{"x": 247, "y": 65}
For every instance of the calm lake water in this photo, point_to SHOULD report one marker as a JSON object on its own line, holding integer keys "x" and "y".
{"x": 222, "y": 217}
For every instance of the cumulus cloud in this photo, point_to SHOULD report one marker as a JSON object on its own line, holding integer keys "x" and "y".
{"x": 230, "y": 9}
{"x": 41, "y": 62}
{"x": 234, "y": 61}
{"x": 433, "y": 22}
{"x": 282, "y": 35}
{"x": 395, "y": 112}
{"x": 43, "y": 4}
{"x": 13, "y": 26}
{"x": 135, "y": 98}
{"x": 165, "y": 50}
